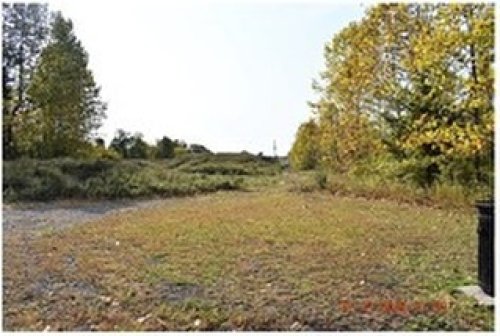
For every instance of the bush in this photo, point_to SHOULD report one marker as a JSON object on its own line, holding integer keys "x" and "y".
{"x": 180, "y": 151}
{"x": 31, "y": 180}
{"x": 441, "y": 195}
{"x": 28, "y": 180}
{"x": 321, "y": 179}
{"x": 303, "y": 182}
{"x": 94, "y": 152}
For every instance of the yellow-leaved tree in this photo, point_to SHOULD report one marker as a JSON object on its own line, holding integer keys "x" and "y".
{"x": 304, "y": 152}
{"x": 413, "y": 82}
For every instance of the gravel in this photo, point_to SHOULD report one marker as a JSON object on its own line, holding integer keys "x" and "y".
{"x": 62, "y": 214}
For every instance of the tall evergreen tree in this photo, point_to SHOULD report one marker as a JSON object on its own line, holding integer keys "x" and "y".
{"x": 65, "y": 98}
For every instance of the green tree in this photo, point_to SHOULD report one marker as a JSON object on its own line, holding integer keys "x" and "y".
{"x": 66, "y": 103}
{"x": 121, "y": 143}
{"x": 100, "y": 142}
{"x": 24, "y": 32}
{"x": 132, "y": 146}
{"x": 138, "y": 148}
{"x": 165, "y": 148}
{"x": 197, "y": 148}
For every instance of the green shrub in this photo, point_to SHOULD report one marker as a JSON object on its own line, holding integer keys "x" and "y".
{"x": 224, "y": 164}
{"x": 83, "y": 169}
{"x": 35, "y": 180}
{"x": 29, "y": 180}
{"x": 180, "y": 151}
{"x": 95, "y": 152}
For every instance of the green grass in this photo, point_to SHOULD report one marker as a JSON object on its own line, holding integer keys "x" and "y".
{"x": 226, "y": 164}
{"x": 265, "y": 260}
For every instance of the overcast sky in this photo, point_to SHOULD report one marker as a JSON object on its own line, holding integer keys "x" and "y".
{"x": 230, "y": 76}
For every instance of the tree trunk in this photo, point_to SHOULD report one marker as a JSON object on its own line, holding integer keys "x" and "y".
{"x": 476, "y": 114}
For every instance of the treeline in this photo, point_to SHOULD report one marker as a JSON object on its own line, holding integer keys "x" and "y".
{"x": 407, "y": 94}
{"x": 51, "y": 103}
{"x": 132, "y": 146}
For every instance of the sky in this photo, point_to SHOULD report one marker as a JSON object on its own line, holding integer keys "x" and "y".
{"x": 232, "y": 76}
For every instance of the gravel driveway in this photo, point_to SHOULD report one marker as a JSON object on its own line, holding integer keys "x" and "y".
{"x": 59, "y": 215}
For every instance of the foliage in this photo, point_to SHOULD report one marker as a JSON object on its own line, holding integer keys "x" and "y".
{"x": 104, "y": 176}
{"x": 132, "y": 146}
{"x": 165, "y": 148}
{"x": 121, "y": 143}
{"x": 95, "y": 152}
{"x": 180, "y": 151}
{"x": 225, "y": 164}
{"x": 30, "y": 180}
{"x": 357, "y": 184}
{"x": 197, "y": 148}
{"x": 138, "y": 149}
{"x": 410, "y": 83}
{"x": 24, "y": 32}
{"x": 304, "y": 152}
{"x": 66, "y": 107}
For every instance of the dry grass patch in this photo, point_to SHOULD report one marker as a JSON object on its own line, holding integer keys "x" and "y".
{"x": 253, "y": 261}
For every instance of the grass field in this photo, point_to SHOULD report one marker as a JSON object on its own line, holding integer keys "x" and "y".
{"x": 269, "y": 259}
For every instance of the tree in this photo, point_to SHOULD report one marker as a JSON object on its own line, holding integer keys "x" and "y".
{"x": 347, "y": 133}
{"x": 132, "y": 146}
{"x": 445, "y": 102}
{"x": 466, "y": 33}
{"x": 138, "y": 148}
{"x": 165, "y": 148}
{"x": 304, "y": 152}
{"x": 417, "y": 78}
{"x": 121, "y": 143}
{"x": 66, "y": 104}
{"x": 24, "y": 33}
{"x": 180, "y": 143}
{"x": 196, "y": 148}
{"x": 99, "y": 142}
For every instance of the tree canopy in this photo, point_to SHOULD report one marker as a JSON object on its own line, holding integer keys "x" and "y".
{"x": 52, "y": 104}
{"x": 66, "y": 106}
{"x": 25, "y": 30}
{"x": 412, "y": 81}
